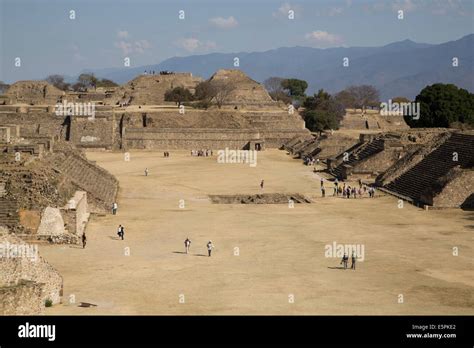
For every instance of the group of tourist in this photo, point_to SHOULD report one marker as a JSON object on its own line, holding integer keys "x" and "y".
{"x": 346, "y": 191}
{"x": 201, "y": 153}
{"x": 310, "y": 160}
{"x": 209, "y": 245}
{"x": 345, "y": 259}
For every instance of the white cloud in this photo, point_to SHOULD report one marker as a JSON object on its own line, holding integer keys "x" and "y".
{"x": 224, "y": 23}
{"x": 193, "y": 45}
{"x": 128, "y": 46}
{"x": 141, "y": 45}
{"x": 125, "y": 46}
{"x": 323, "y": 38}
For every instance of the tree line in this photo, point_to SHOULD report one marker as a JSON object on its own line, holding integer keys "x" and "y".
{"x": 441, "y": 105}
{"x": 206, "y": 94}
{"x": 83, "y": 83}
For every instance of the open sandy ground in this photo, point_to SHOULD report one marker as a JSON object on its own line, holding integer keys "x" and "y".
{"x": 281, "y": 258}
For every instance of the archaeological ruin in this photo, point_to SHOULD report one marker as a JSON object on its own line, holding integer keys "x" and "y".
{"x": 49, "y": 189}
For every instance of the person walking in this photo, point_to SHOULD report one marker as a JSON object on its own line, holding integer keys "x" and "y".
{"x": 261, "y": 184}
{"x": 84, "y": 240}
{"x": 353, "y": 265}
{"x": 210, "y": 246}
{"x": 187, "y": 244}
{"x": 114, "y": 208}
{"x": 344, "y": 260}
{"x": 146, "y": 171}
{"x": 120, "y": 231}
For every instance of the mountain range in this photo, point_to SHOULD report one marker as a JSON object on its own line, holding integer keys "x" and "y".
{"x": 397, "y": 69}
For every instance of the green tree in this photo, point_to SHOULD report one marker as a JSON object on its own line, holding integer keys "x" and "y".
{"x": 204, "y": 91}
{"x": 322, "y": 111}
{"x": 106, "y": 83}
{"x": 400, "y": 100}
{"x": 178, "y": 95}
{"x": 295, "y": 88}
{"x": 87, "y": 80}
{"x": 318, "y": 120}
{"x": 441, "y": 105}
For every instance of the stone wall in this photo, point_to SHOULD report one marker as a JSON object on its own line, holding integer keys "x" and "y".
{"x": 459, "y": 186}
{"x": 4, "y": 135}
{"x": 93, "y": 132}
{"x": 76, "y": 213}
{"x": 37, "y": 123}
{"x": 33, "y": 92}
{"x": 23, "y": 298}
{"x": 52, "y": 223}
{"x": 21, "y": 262}
{"x": 378, "y": 163}
{"x": 101, "y": 186}
{"x": 156, "y": 138}
{"x": 371, "y": 119}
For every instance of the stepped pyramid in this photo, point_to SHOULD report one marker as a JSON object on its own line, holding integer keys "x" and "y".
{"x": 150, "y": 89}
{"x": 33, "y": 92}
{"x": 246, "y": 91}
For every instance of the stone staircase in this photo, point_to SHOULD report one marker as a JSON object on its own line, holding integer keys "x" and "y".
{"x": 422, "y": 178}
{"x": 310, "y": 150}
{"x": 358, "y": 153}
{"x": 8, "y": 212}
{"x": 296, "y": 142}
{"x": 96, "y": 181}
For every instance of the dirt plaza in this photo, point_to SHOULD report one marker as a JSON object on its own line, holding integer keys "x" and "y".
{"x": 268, "y": 258}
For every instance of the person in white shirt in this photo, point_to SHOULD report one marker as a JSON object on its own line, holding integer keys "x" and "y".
{"x": 187, "y": 244}
{"x": 210, "y": 246}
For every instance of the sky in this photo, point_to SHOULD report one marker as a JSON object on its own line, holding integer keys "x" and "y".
{"x": 50, "y": 39}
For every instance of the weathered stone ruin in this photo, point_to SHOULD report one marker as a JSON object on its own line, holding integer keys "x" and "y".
{"x": 150, "y": 89}
{"x": 323, "y": 146}
{"x": 264, "y": 198}
{"x": 441, "y": 175}
{"x": 371, "y": 119}
{"x": 249, "y": 116}
{"x": 27, "y": 281}
{"x": 33, "y": 93}
{"x": 427, "y": 167}
{"x": 50, "y": 197}
{"x": 246, "y": 92}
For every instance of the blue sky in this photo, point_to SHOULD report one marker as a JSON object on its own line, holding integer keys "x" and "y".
{"x": 105, "y": 31}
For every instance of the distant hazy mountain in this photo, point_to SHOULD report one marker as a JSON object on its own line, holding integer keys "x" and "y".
{"x": 398, "y": 69}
